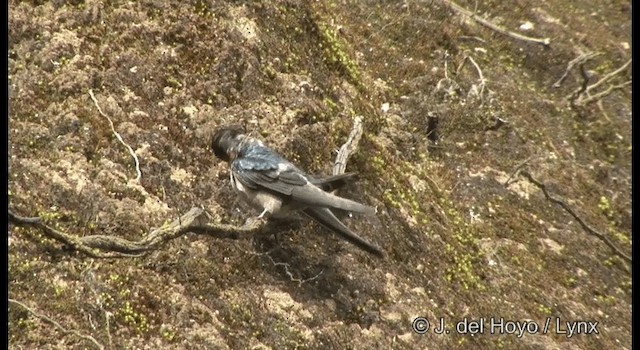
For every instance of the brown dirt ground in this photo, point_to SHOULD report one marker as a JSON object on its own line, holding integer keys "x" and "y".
{"x": 459, "y": 242}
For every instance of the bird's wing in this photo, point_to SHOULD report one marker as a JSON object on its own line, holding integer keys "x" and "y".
{"x": 275, "y": 175}
{"x": 326, "y": 218}
{"x": 283, "y": 178}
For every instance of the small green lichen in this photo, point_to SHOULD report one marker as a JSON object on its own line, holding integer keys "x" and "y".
{"x": 335, "y": 53}
{"x": 605, "y": 207}
{"x": 545, "y": 310}
{"x": 133, "y": 318}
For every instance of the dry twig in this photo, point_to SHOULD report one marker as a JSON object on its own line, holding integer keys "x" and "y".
{"x": 516, "y": 171}
{"x": 294, "y": 279}
{"x": 600, "y": 95}
{"x": 58, "y": 325}
{"x": 609, "y": 76}
{"x": 113, "y": 129}
{"x": 571, "y": 212}
{"x": 582, "y": 59}
{"x": 582, "y": 95}
{"x": 492, "y": 26}
{"x": 285, "y": 266}
{"x": 349, "y": 147}
{"x": 482, "y": 82}
{"x": 108, "y": 316}
{"x": 195, "y": 221}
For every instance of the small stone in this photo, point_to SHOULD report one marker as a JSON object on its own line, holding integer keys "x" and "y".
{"x": 526, "y": 26}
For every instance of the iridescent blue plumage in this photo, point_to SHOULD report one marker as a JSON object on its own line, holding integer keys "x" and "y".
{"x": 257, "y": 157}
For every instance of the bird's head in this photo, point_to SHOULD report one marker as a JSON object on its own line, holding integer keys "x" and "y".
{"x": 225, "y": 141}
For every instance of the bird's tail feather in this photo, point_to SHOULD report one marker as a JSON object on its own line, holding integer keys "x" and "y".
{"x": 349, "y": 205}
{"x": 314, "y": 196}
{"x": 326, "y": 218}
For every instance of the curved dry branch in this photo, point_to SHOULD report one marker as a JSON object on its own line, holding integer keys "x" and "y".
{"x": 103, "y": 246}
{"x": 571, "y": 212}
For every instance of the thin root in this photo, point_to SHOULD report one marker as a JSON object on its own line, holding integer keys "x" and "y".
{"x": 113, "y": 129}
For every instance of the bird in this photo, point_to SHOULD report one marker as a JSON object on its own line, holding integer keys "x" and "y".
{"x": 277, "y": 187}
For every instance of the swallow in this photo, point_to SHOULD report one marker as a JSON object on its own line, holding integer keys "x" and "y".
{"x": 275, "y": 186}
